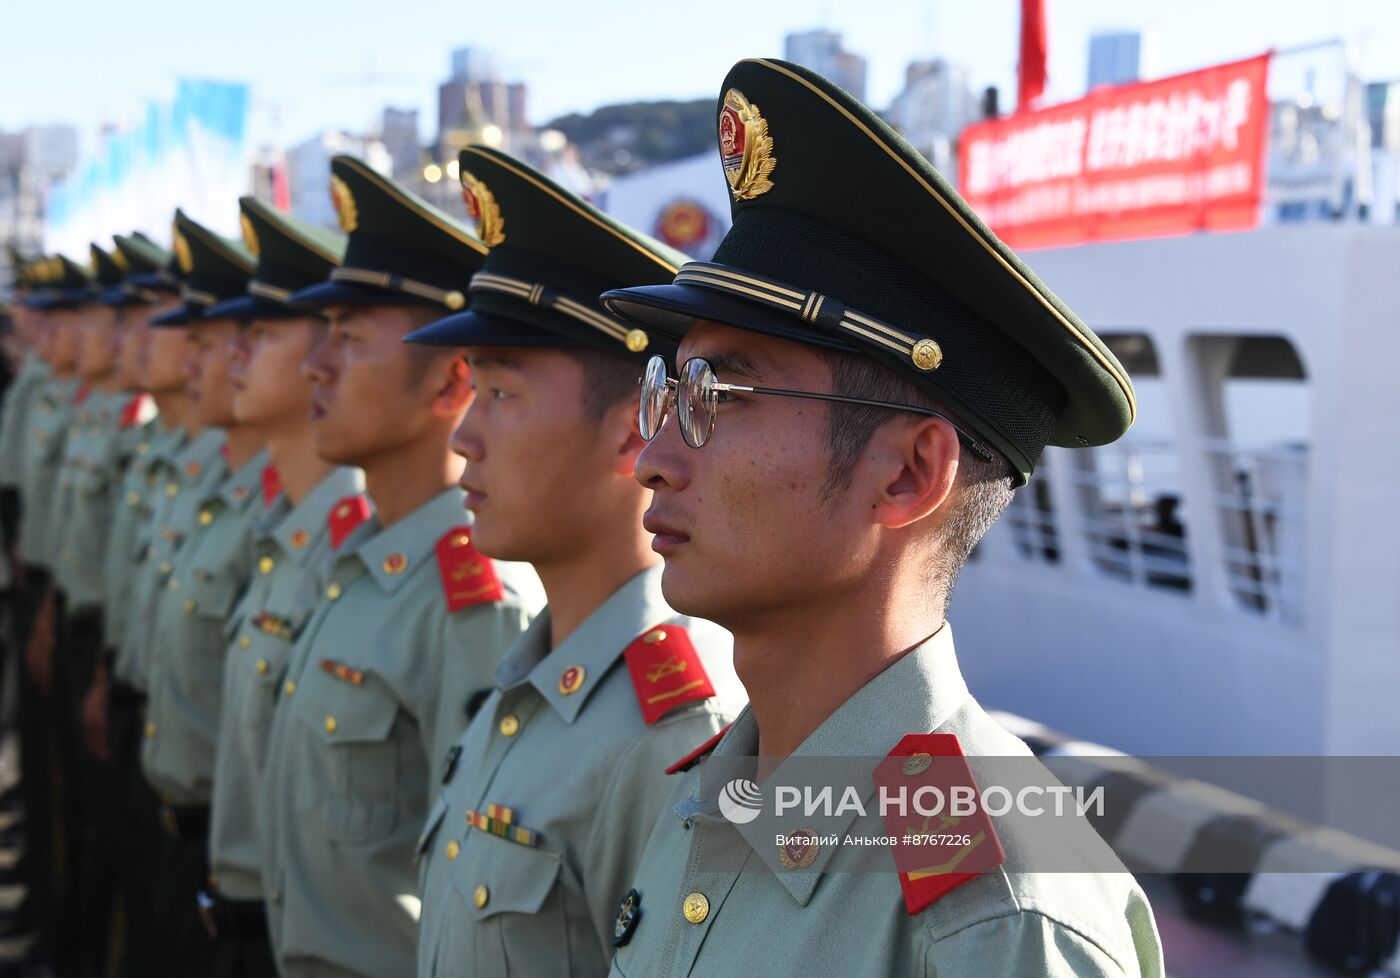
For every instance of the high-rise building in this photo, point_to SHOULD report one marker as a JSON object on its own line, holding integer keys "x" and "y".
{"x": 31, "y": 161}
{"x": 1115, "y": 58}
{"x": 399, "y": 130}
{"x": 936, "y": 103}
{"x": 822, "y": 51}
{"x": 309, "y": 171}
{"x": 475, "y": 98}
{"x": 1383, "y": 113}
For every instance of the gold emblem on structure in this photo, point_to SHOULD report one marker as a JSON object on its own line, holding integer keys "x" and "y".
{"x": 344, "y": 202}
{"x": 926, "y": 354}
{"x": 250, "y": 237}
{"x": 745, "y": 148}
{"x": 182, "y": 253}
{"x": 483, "y": 209}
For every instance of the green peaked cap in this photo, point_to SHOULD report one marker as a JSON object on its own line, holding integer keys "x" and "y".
{"x": 401, "y": 249}
{"x": 846, "y": 238}
{"x": 212, "y": 269}
{"x": 292, "y": 255}
{"x": 552, "y": 254}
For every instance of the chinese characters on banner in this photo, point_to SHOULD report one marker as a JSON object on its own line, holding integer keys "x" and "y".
{"x": 1180, "y": 154}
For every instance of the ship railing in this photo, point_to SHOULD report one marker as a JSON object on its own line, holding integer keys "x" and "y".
{"x": 1263, "y": 518}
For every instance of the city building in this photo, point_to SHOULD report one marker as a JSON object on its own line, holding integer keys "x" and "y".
{"x": 937, "y": 102}
{"x": 476, "y": 104}
{"x": 1115, "y": 58}
{"x": 399, "y": 131}
{"x": 822, "y": 51}
{"x": 309, "y": 171}
{"x": 31, "y": 160}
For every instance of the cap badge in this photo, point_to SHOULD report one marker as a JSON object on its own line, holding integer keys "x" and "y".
{"x": 745, "y": 147}
{"x": 344, "y": 202}
{"x": 182, "y": 253}
{"x": 636, "y": 340}
{"x": 483, "y": 209}
{"x": 250, "y": 237}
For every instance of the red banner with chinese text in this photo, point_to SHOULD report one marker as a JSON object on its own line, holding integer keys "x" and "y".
{"x": 1179, "y": 154}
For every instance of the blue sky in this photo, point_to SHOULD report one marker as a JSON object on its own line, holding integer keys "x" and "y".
{"x": 318, "y": 65}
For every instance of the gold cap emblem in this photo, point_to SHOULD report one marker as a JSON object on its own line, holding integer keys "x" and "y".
{"x": 454, "y": 300}
{"x": 182, "y": 252}
{"x": 344, "y": 202}
{"x": 636, "y": 340}
{"x": 483, "y": 210}
{"x": 250, "y": 237}
{"x": 745, "y": 148}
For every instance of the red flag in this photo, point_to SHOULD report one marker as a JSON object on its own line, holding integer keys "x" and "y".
{"x": 1031, "y": 68}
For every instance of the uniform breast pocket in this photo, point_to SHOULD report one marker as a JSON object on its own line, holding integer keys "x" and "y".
{"x": 514, "y": 919}
{"x": 208, "y": 600}
{"x": 352, "y": 789}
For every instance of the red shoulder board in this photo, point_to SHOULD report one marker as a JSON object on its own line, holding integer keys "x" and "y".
{"x": 271, "y": 484}
{"x": 666, "y": 671}
{"x": 81, "y": 395}
{"x": 468, "y": 578}
{"x": 930, "y": 865}
{"x": 693, "y": 758}
{"x": 347, "y": 514}
{"x": 132, "y": 412}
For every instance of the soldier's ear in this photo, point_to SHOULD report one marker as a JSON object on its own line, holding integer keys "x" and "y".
{"x": 911, "y": 466}
{"x": 454, "y": 390}
{"x": 623, "y": 436}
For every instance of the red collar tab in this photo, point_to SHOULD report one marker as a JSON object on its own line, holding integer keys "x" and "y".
{"x": 935, "y": 854}
{"x": 666, "y": 671}
{"x": 345, "y": 516}
{"x": 468, "y": 577}
{"x": 693, "y": 758}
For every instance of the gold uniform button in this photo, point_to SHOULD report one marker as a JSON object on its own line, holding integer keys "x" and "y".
{"x": 263, "y": 667}
{"x": 165, "y": 567}
{"x": 330, "y": 724}
{"x": 917, "y": 763}
{"x": 150, "y": 730}
{"x": 189, "y": 607}
{"x": 289, "y": 687}
{"x": 333, "y": 590}
{"x": 171, "y": 489}
{"x": 453, "y": 848}
{"x": 481, "y": 896}
{"x": 510, "y": 725}
{"x": 244, "y": 641}
{"x": 205, "y": 517}
{"x": 265, "y": 565}
{"x": 696, "y": 908}
{"x": 133, "y": 499}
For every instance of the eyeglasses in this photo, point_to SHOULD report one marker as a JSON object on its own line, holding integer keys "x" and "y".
{"x": 696, "y": 396}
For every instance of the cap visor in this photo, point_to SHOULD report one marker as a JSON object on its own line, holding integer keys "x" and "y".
{"x": 481, "y": 329}
{"x": 182, "y": 316}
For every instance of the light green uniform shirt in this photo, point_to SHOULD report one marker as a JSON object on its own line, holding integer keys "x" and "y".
{"x": 375, "y": 694}
{"x": 192, "y": 618}
{"x": 14, "y": 416}
{"x": 47, "y": 428}
{"x": 153, "y": 450}
{"x": 193, "y": 471}
{"x": 87, "y": 481}
{"x": 776, "y": 923}
{"x": 493, "y": 905}
{"x": 286, "y": 586}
